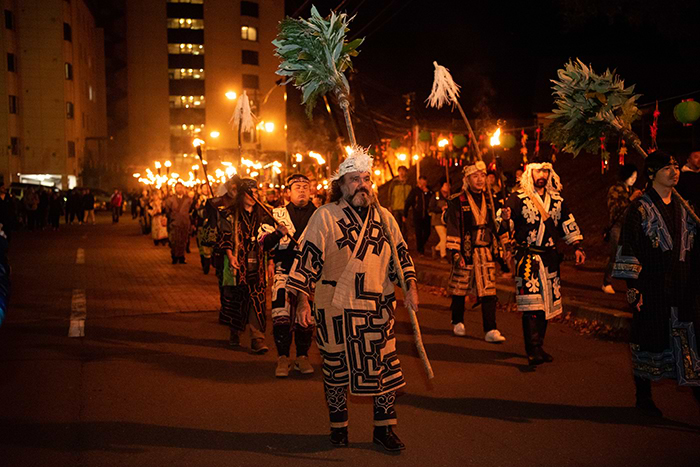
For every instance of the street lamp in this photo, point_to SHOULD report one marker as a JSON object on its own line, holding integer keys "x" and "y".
{"x": 269, "y": 127}
{"x": 214, "y": 134}
{"x": 231, "y": 95}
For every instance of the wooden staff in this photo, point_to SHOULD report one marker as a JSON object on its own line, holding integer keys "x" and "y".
{"x": 417, "y": 337}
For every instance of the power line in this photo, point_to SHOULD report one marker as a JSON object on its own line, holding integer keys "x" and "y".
{"x": 358, "y": 33}
{"x": 406, "y": 3}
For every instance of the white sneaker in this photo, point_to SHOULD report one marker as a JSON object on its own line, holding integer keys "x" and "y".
{"x": 282, "y": 370}
{"x": 494, "y": 336}
{"x": 459, "y": 330}
{"x": 608, "y": 289}
{"x": 303, "y": 365}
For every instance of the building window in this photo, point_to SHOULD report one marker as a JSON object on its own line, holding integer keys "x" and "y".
{"x": 91, "y": 93}
{"x": 186, "y": 73}
{"x": 10, "y": 62}
{"x": 185, "y": 23}
{"x": 187, "y": 102}
{"x": 249, "y": 9}
{"x": 14, "y": 146}
{"x": 69, "y": 71}
{"x": 190, "y": 49}
{"x": 251, "y": 82}
{"x": 69, "y": 110}
{"x": 186, "y": 130}
{"x": 196, "y": 2}
{"x": 67, "y": 32}
{"x": 9, "y": 20}
{"x": 250, "y": 57}
{"x": 249, "y": 33}
{"x": 13, "y": 104}
{"x": 71, "y": 148}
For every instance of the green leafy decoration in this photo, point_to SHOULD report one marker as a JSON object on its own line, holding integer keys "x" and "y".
{"x": 314, "y": 55}
{"x": 587, "y": 105}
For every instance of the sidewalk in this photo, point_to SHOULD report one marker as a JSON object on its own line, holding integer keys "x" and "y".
{"x": 582, "y": 295}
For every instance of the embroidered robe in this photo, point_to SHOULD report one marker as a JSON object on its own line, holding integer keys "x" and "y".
{"x": 345, "y": 264}
{"x": 655, "y": 257}
{"x": 537, "y": 280}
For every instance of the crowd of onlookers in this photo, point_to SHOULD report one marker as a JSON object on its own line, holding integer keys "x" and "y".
{"x": 39, "y": 208}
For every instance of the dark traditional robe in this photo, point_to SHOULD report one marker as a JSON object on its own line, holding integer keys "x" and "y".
{"x": 346, "y": 265}
{"x": 537, "y": 280}
{"x": 475, "y": 242}
{"x": 655, "y": 257}
{"x": 243, "y": 288}
{"x": 178, "y": 211}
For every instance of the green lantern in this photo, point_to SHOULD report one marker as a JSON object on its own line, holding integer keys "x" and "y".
{"x": 687, "y": 112}
{"x": 459, "y": 141}
{"x": 508, "y": 141}
{"x": 424, "y": 136}
{"x": 395, "y": 143}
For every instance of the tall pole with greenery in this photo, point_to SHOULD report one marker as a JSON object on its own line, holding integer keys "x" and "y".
{"x": 314, "y": 55}
{"x": 587, "y": 106}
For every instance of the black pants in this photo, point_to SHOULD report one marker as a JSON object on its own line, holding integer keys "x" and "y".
{"x": 284, "y": 333}
{"x": 488, "y": 311}
{"x": 337, "y": 400}
{"x": 116, "y": 211}
{"x": 422, "y": 228}
{"x": 534, "y": 330}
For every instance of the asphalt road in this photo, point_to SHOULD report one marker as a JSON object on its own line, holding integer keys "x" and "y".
{"x": 153, "y": 383}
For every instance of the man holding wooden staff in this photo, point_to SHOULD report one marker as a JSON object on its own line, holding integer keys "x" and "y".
{"x": 345, "y": 267}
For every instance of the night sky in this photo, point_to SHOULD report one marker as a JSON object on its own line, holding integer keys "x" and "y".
{"x": 504, "y": 53}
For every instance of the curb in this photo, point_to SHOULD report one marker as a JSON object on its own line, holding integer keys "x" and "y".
{"x": 616, "y": 320}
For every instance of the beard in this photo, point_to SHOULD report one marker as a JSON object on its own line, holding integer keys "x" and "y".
{"x": 360, "y": 198}
{"x": 540, "y": 183}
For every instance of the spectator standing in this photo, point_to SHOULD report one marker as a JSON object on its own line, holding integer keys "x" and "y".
{"x": 419, "y": 200}
{"x": 8, "y": 216}
{"x": 55, "y": 209}
{"x": 116, "y": 203}
{"x": 88, "y": 203}
{"x": 31, "y": 205}
{"x": 398, "y": 192}
{"x": 438, "y": 205}
{"x": 689, "y": 180}
{"x": 43, "y": 210}
{"x": 620, "y": 195}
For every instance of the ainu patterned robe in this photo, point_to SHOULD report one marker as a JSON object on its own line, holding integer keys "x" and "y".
{"x": 345, "y": 264}
{"x": 475, "y": 241}
{"x": 537, "y": 280}
{"x": 655, "y": 256}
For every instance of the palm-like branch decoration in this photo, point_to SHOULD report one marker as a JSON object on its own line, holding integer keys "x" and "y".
{"x": 314, "y": 55}
{"x": 588, "y": 105}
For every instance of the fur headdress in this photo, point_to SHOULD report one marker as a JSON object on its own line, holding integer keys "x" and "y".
{"x": 541, "y": 163}
{"x": 478, "y": 166}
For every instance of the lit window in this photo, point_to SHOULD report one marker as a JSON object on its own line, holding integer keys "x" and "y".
{"x": 69, "y": 110}
{"x": 194, "y": 49}
{"x": 187, "y": 102}
{"x": 249, "y": 33}
{"x": 69, "y": 71}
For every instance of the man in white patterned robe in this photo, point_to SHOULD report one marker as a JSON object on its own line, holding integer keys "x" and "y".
{"x": 345, "y": 266}
{"x": 539, "y": 217}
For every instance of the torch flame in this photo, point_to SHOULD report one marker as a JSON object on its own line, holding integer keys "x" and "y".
{"x": 197, "y": 142}
{"x": 495, "y": 139}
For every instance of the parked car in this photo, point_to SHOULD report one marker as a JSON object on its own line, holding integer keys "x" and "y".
{"x": 18, "y": 189}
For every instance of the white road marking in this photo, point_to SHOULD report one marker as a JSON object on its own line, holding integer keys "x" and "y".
{"x": 80, "y": 256}
{"x": 78, "y": 314}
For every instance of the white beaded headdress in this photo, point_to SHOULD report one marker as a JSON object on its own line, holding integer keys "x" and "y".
{"x": 359, "y": 160}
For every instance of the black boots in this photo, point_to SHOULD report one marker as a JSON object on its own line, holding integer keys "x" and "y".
{"x": 534, "y": 329}
{"x": 386, "y": 438}
{"x": 644, "y": 401}
{"x": 339, "y": 436}
{"x": 206, "y": 263}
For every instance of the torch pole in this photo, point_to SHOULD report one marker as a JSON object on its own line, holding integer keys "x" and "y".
{"x": 204, "y": 168}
